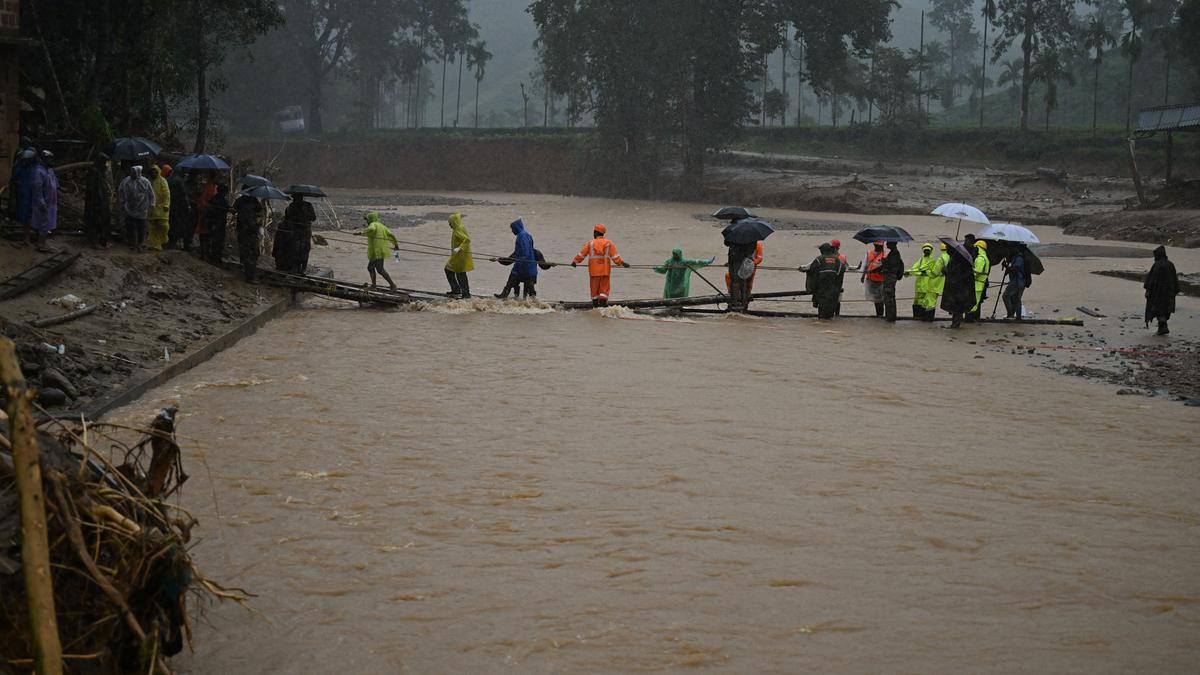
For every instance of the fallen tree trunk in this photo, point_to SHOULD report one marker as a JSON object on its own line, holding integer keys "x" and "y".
{"x": 811, "y": 315}
{"x": 35, "y": 546}
{"x": 64, "y": 318}
{"x": 666, "y": 303}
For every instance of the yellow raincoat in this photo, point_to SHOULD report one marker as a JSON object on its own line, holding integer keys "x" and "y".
{"x": 378, "y": 238}
{"x": 921, "y": 270}
{"x": 982, "y": 268}
{"x": 460, "y": 241}
{"x": 937, "y": 274}
{"x": 159, "y": 224}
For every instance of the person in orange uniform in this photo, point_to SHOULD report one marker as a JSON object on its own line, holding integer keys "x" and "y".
{"x": 872, "y": 276}
{"x": 600, "y": 253}
{"x": 758, "y": 260}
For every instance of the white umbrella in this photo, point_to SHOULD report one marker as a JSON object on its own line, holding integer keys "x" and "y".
{"x": 961, "y": 212}
{"x": 1008, "y": 232}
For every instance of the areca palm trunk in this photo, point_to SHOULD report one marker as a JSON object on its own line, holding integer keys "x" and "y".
{"x": 1095, "y": 96}
{"x": 983, "y": 73}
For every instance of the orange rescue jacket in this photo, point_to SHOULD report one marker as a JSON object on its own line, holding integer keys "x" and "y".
{"x": 601, "y": 254}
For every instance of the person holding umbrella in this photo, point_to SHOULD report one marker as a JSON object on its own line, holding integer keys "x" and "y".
{"x": 601, "y": 254}
{"x": 293, "y": 240}
{"x": 824, "y": 281}
{"x": 872, "y": 276}
{"x": 892, "y": 270}
{"x": 247, "y": 209}
{"x": 1019, "y": 279}
{"x": 216, "y": 220}
{"x": 959, "y": 295}
{"x": 460, "y": 261}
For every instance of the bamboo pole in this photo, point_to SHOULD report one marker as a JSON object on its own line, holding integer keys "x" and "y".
{"x": 35, "y": 549}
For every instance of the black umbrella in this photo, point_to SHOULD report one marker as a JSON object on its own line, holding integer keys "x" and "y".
{"x": 732, "y": 213}
{"x": 870, "y": 235}
{"x": 132, "y": 149}
{"x": 747, "y": 231}
{"x": 958, "y": 247}
{"x": 306, "y": 191}
{"x": 202, "y": 163}
{"x": 250, "y": 180}
{"x": 266, "y": 192}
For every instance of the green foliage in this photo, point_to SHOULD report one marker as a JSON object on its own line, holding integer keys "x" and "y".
{"x": 671, "y": 78}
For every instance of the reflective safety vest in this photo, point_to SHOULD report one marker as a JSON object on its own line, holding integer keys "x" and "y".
{"x": 874, "y": 264}
{"x": 601, "y": 254}
{"x": 983, "y": 267}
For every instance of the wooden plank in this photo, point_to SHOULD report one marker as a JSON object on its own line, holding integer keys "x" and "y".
{"x": 666, "y": 303}
{"x": 940, "y": 319}
{"x": 36, "y": 275}
{"x": 64, "y": 318}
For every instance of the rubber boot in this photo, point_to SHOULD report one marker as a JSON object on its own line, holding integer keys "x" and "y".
{"x": 918, "y": 311}
{"x": 879, "y": 309}
{"x": 1162, "y": 328}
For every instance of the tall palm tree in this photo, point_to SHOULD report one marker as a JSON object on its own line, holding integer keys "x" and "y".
{"x": 1049, "y": 69}
{"x": 1131, "y": 48}
{"x": 989, "y": 17}
{"x": 1012, "y": 74}
{"x": 1097, "y": 37}
{"x": 477, "y": 58}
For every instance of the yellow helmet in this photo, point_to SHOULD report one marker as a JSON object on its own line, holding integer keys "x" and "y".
{"x": 927, "y": 247}
{"x": 944, "y": 247}
{"x": 981, "y": 244}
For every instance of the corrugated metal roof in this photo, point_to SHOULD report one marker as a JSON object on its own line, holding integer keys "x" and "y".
{"x": 1169, "y": 118}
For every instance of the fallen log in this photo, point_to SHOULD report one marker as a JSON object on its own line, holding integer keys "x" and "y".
{"x": 63, "y": 318}
{"x": 666, "y": 303}
{"x": 812, "y": 315}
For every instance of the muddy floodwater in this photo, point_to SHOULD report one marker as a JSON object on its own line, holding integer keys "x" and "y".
{"x": 486, "y": 488}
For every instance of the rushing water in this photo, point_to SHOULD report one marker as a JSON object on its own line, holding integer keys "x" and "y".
{"x": 517, "y": 489}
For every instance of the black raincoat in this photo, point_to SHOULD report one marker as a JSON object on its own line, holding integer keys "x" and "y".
{"x": 1162, "y": 285}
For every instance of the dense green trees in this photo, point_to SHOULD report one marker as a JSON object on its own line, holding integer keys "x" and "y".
{"x": 670, "y": 79}
{"x": 128, "y": 64}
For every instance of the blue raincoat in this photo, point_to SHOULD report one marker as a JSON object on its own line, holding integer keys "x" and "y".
{"x": 524, "y": 257}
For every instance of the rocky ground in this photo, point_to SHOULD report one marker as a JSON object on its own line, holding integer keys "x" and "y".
{"x": 153, "y": 308}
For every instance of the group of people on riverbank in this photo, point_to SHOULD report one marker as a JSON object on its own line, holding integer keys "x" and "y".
{"x": 155, "y": 207}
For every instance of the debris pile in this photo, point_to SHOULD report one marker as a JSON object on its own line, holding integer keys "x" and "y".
{"x": 119, "y": 569}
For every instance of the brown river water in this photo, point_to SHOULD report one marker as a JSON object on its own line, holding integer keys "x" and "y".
{"x": 513, "y": 489}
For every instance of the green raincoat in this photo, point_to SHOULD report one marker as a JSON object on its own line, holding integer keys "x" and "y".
{"x": 679, "y": 273}
{"x": 378, "y": 238}
{"x": 460, "y": 241}
{"x": 982, "y": 268}
{"x": 937, "y": 274}
{"x": 922, "y": 270}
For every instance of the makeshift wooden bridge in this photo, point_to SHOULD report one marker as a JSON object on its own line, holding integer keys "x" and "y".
{"x": 331, "y": 288}
{"x": 940, "y": 319}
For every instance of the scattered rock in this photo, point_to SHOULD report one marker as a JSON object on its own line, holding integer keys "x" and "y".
{"x": 55, "y": 379}
{"x": 51, "y": 397}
